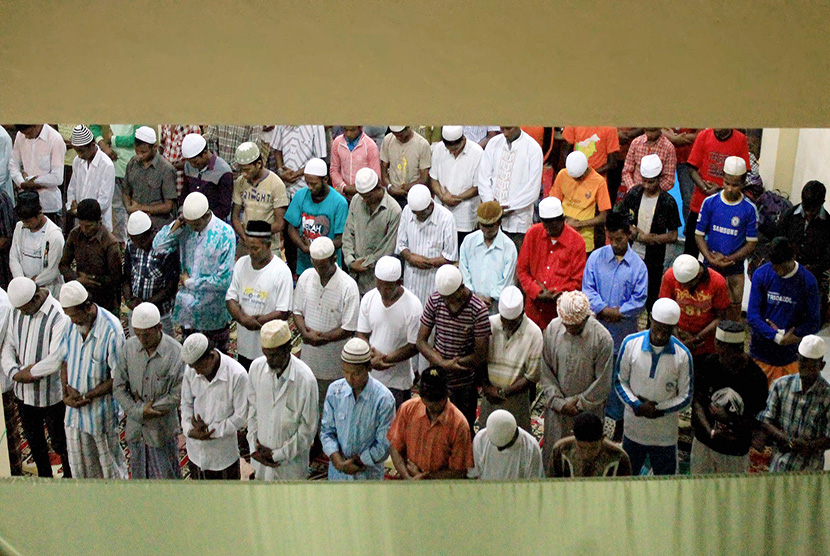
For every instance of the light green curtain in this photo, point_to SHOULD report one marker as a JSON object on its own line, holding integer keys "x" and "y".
{"x": 746, "y": 515}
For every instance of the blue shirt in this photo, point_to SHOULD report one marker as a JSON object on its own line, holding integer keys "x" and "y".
{"x": 611, "y": 283}
{"x": 792, "y": 302}
{"x": 727, "y": 226}
{"x": 357, "y": 427}
{"x": 89, "y": 362}
{"x": 488, "y": 270}
{"x": 313, "y": 220}
{"x": 207, "y": 257}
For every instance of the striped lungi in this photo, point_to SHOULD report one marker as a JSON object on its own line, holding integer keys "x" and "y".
{"x": 95, "y": 456}
{"x": 149, "y": 462}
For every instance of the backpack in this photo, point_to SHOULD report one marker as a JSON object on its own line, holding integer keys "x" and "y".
{"x": 771, "y": 205}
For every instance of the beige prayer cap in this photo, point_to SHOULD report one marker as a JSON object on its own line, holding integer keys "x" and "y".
{"x": 21, "y": 291}
{"x": 734, "y": 166}
{"x": 356, "y": 351}
{"x": 321, "y": 248}
{"x": 388, "y": 269}
{"x": 489, "y": 213}
{"x": 274, "y": 334}
{"x": 501, "y": 428}
{"x": 365, "y": 180}
{"x": 448, "y": 279}
{"x": 511, "y": 303}
{"x": 419, "y": 197}
{"x": 573, "y": 307}
{"x": 685, "y": 268}
{"x": 145, "y": 315}
{"x": 194, "y": 347}
{"x": 812, "y": 347}
{"x": 195, "y": 206}
{"x": 72, "y": 294}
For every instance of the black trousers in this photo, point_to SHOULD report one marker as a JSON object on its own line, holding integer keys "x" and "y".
{"x": 232, "y": 473}
{"x": 33, "y": 420}
{"x": 465, "y": 399}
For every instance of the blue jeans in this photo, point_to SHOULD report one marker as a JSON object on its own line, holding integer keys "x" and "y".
{"x": 663, "y": 458}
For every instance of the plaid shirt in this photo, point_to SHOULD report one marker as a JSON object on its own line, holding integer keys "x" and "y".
{"x": 799, "y": 415}
{"x": 171, "y": 146}
{"x": 640, "y": 148}
{"x": 149, "y": 272}
{"x": 224, "y": 139}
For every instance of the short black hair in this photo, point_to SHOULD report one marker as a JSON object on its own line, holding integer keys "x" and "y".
{"x": 781, "y": 250}
{"x": 813, "y": 193}
{"x": 587, "y": 427}
{"x": 23, "y": 127}
{"x": 89, "y": 210}
{"x": 618, "y": 221}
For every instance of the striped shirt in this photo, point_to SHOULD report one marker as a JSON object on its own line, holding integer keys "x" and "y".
{"x": 432, "y": 238}
{"x": 455, "y": 333}
{"x": 36, "y": 340}
{"x": 798, "y": 414}
{"x": 324, "y": 308}
{"x": 89, "y": 362}
{"x": 519, "y": 355}
{"x": 298, "y": 144}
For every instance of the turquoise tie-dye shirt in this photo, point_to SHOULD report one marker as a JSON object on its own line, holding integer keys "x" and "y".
{"x": 207, "y": 257}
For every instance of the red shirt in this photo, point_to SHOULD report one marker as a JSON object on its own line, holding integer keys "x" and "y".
{"x": 683, "y": 152}
{"x": 708, "y": 155}
{"x": 558, "y": 266}
{"x": 697, "y": 309}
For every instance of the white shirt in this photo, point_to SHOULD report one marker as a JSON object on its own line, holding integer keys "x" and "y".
{"x": 457, "y": 175}
{"x": 389, "y": 329}
{"x": 512, "y": 175}
{"x": 5, "y": 309}
{"x": 298, "y": 144}
{"x": 259, "y": 292}
{"x": 223, "y": 405}
{"x": 41, "y": 158}
{"x": 432, "y": 238}
{"x": 645, "y": 216}
{"x": 477, "y": 133}
{"x": 282, "y": 416}
{"x": 37, "y": 255}
{"x": 523, "y": 460}
{"x": 669, "y": 384}
{"x": 324, "y": 309}
{"x": 95, "y": 180}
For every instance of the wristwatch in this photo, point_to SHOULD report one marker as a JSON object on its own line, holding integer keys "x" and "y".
{"x": 501, "y": 393}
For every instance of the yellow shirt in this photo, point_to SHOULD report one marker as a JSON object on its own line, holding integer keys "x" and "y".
{"x": 581, "y": 199}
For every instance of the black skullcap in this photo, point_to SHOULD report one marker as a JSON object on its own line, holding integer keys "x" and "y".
{"x": 28, "y": 205}
{"x": 781, "y": 250}
{"x": 89, "y": 210}
{"x": 433, "y": 384}
{"x": 258, "y": 228}
{"x": 587, "y": 427}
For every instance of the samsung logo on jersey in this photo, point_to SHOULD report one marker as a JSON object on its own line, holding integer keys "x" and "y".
{"x": 727, "y": 231}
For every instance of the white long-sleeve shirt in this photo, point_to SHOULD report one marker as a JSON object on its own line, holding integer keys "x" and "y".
{"x": 5, "y": 311}
{"x": 223, "y": 405}
{"x": 95, "y": 180}
{"x": 511, "y": 173}
{"x": 282, "y": 416}
{"x": 41, "y": 158}
{"x": 661, "y": 376}
{"x": 36, "y": 255}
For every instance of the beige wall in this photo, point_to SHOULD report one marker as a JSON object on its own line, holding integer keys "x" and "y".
{"x": 792, "y": 157}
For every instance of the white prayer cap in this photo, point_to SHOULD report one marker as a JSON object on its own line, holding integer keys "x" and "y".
{"x": 316, "y": 167}
{"x": 138, "y": 223}
{"x": 685, "y": 268}
{"x": 511, "y": 303}
{"x": 195, "y": 206}
{"x": 72, "y": 294}
{"x": 550, "y": 207}
{"x": 812, "y": 347}
{"x": 448, "y": 279}
{"x": 452, "y": 132}
{"x": 734, "y": 166}
{"x": 321, "y": 248}
{"x": 81, "y": 135}
{"x": 194, "y": 347}
{"x": 146, "y": 134}
{"x": 418, "y": 197}
{"x": 274, "y": 334}
{"x": 666, "y": 311}
{"x": 192, "y": 145}
{"x": 365, "y": 180}
{"x": 145, "y": 315}
{"x": 388, "y": 269}
{"x": 501, "y": 427}
{"x": 650, "y": 166}
{"x": 246, "y": 153}
{"x": 397, "y": 128}
{"x": 21, "y": 291}
{"x": 730, "y": 332}
{"x": 576, "y": 164}
{"x": 356, "y": 351}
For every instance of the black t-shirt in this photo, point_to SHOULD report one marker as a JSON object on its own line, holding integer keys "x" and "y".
{"x": 666, "y": 219}
{"x": 749, "y": 382}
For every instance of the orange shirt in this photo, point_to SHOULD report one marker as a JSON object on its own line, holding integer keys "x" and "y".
{"x": 581, "y": 199}
{"x": 596, "y": 142}
{"x": 443, "y": 444}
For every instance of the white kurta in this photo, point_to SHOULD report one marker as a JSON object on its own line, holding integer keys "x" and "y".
{"x": 282, "y": 415}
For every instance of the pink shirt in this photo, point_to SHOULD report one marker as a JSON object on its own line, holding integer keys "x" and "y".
{"x": 346, "y": 163}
